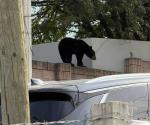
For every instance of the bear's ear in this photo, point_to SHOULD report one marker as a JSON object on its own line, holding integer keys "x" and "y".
{"x": 90, "y": 47}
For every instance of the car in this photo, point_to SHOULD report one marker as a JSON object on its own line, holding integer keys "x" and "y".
{"x": 35, "y": 81}
{"x": 72, "y": 100}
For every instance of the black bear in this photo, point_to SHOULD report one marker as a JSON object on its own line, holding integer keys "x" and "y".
{"x": 69, "y": 46}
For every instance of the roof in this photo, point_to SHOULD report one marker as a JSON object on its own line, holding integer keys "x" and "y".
{"x": 84, "y": 85}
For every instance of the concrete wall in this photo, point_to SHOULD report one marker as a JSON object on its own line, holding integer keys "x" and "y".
{"x": 47, "y": 52}
{"x": 110, "y": 53}
{"x": 111, "y": 113}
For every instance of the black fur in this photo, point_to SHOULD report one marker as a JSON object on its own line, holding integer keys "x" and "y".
{"x": 69, "y": 46}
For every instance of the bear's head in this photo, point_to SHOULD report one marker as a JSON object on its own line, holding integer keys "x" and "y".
{"x": 90, "y": 53}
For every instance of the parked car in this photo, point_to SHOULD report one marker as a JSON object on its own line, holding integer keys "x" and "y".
{"x": 72, "y": 100}
{"x": 35, "y": 81}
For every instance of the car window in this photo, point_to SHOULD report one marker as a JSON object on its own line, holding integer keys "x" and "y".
{"x": 49, "y": 106}
{"x": 136, "y": 95}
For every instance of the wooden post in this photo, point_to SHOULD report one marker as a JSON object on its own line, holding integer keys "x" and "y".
{"x": 13, "y": 64}
{"x": 28, "y": 43}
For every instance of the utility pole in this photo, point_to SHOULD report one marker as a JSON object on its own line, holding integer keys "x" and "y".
{"x": 28, "y": 43}
{"x": 13, "y": 63}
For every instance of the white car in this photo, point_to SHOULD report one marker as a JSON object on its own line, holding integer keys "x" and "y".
{"x": 72, "y": 100}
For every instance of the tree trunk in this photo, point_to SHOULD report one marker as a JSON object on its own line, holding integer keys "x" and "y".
{"x": 13, "y": 64}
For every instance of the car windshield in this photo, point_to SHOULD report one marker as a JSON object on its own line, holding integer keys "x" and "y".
{"x": 49, "y": 106}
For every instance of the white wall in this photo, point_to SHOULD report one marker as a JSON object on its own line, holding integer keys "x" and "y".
{"x": 49, "y": 53}
{"x": 110, "y": 53}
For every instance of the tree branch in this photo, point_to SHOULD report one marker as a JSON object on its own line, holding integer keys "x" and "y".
{"x": 39, "y": 3}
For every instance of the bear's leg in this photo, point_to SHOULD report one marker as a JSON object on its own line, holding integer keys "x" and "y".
{"x": 63, "y": 56}
{"x": 68, "y": 59}
{"x": 79, "y": 59}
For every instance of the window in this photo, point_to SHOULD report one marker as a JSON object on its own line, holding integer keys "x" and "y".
{"x": 49, "y": 106}
{"x": 135, "y": 95}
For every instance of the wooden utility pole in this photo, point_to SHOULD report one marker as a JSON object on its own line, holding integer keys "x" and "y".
{"x": 28, "y": 43}
{"x": 13, "y": 64}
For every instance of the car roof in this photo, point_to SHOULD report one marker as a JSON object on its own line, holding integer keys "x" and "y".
{"x": 84, "y": 85}
{"x": 64, "y": 85}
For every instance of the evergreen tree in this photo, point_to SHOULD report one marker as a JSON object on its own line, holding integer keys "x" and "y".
{"x": 118, "y": 19}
